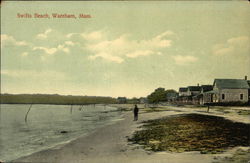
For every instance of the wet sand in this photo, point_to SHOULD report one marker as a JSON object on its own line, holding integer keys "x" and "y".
{"x": 109, "y": 145}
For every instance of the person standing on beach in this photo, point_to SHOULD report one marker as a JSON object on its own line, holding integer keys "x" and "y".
{"x": 136, "y": 110}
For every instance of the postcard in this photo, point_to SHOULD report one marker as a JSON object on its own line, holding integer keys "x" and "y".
{"x": 125, "y": 81}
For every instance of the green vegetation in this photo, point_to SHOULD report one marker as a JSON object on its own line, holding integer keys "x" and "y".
{"x": 133, "y": 101}
{"x": 54, "y": 99}
{"x": 192, "y": 132}
{"x": 160, "y": 95}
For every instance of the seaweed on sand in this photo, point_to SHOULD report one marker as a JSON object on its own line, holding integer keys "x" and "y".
{"x": 192, "y": 132}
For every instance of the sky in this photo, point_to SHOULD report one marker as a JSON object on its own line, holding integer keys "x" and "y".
{"x": 124, "y": 49}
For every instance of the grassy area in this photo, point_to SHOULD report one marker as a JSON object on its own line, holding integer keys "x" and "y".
{"x": 192, "y": 132}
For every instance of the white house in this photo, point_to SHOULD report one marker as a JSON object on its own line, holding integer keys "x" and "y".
{"x": 203, "y": 97}
{"x": 230, "y": 90}
{"x": 183, "y": 91}
{"x": 193, "y": 90}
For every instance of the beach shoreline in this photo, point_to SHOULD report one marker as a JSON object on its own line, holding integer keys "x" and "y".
{"x": 48, "y": 126}
{"x": 110, "y": 144}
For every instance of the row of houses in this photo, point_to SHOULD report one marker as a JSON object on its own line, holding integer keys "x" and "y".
{"x": 222, "y": 91}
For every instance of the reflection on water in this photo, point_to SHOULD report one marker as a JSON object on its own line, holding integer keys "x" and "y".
{"x": 47, "y": 126}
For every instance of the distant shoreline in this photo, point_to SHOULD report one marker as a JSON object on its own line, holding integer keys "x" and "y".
{"x": 54, "y": 99}
{"x": 52, "y": 104}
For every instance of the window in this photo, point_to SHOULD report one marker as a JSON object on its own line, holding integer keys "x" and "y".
{"x": 223, "y": 96}
{"x": 241, "y": 96}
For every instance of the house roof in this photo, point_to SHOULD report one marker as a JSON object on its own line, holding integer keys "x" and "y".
{"x": 183, "y": 89}
{"x": 231, "y": 83}
{"x": 194, "y": 88}
{"x": 206, "y": 88}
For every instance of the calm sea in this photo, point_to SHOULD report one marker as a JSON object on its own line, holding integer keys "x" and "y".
{"x": 45, "y": 124}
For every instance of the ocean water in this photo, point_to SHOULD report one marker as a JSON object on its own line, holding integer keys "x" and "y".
{"x": 44, "y": 125}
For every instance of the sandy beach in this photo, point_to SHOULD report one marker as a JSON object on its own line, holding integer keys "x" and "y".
{"x": 110, "y": 145}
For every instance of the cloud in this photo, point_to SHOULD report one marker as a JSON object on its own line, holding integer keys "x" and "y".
{"x": 221, "y": 49}
{"x": 107, "y": 57}
{"x": 232, "y": 45}
{"x": 184, "y": 60}
{"x": 63, "y": 48}
{"x": 238, "y": 40}
{"x": 122, "y": 47}
{"x": 44, "y": 35}
{"x": 7, "y": 39}
{"x": 24, "y": 54}
{"x": 70, "y": 43}
{"x": 89, "y": 36}
{"x": 52, "y": 50}
{"x": 100, "y": 44}
{"x": 71, "y": 34}
{"x": 46, "y": 50}
{"x": 96, "y": 35}
{"x": 139, "y": 53}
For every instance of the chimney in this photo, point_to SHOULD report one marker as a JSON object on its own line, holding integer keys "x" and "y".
{"x": 245, "y": 77}
{"x": 198, "y": 84}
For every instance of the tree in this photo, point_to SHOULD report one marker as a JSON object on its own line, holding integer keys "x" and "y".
{"x": 158, "y": 95}
{"x": 134, "y": 100}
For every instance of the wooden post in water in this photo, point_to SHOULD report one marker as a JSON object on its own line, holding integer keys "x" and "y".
{"x": 71, "y": 108}
{"x": 26, "y": 116}
{"x": 81, "y": 107}
{"x": 0, "y": 113}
